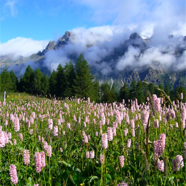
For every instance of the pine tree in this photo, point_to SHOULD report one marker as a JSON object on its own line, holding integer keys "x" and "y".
{"x": 140, "y": 93}
{"x": 14, "y": 80}
{"x": 44, "y": 85}
{"x": 83, "y": 85}
{"x": 37, "y": 84}
{"x": 6, "y": 81}
{"x": 70, "y": 76}
{"x": 28, "y": 80}
{"x": 53, "y": 83}
{"x": 124, "y": 93}
{"x": 60, "y": 82}
{"x": 132, "y": 91}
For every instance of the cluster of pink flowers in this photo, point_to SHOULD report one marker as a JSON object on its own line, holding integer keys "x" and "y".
{"x": 121, "y": 161}
{"x": 109, "y": 133}
{"x": 159, "y": 146}
{"x": 160, "y": 165}
{"x": 104, "y": 141}
{"x": 177, "y": 163}
{"x": 16, "y": 124}
{"x": 26, "y": 157}
{"x": 39, "y": 161}
{"x": 13, "y": 174}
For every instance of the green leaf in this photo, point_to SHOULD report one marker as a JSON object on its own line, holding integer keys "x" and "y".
{"x": 108, "y": 176}
{"x": 92, "y": 179}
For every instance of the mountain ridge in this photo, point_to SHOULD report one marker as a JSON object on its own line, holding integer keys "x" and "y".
{"x": 107, "y": 66}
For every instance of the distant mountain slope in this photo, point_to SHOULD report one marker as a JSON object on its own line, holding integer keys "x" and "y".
{"x": 124, "y": 61}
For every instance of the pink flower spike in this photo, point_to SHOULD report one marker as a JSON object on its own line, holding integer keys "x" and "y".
{"x": 13, "y": 174}
{"x": 26, "y": 157}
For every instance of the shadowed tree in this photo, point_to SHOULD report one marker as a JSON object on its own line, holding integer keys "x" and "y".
{"x": 124, "y": 93}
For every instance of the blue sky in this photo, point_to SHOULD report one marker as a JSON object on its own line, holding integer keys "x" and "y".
{"x": 39, "y": 21}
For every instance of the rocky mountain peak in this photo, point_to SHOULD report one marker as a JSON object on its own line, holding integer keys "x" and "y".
{"x": 134, "y": 36}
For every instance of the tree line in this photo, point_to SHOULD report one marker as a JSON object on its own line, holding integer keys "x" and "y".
{"x": 77, "y": 80}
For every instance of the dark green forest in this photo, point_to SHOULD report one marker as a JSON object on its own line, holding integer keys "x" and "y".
{"x": 77, "y": 81}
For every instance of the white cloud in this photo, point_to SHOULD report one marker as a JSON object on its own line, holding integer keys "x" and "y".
{"x": 10, "y": 7}
{"x": 21, "y": 47}
{"x": 166, "y": 13}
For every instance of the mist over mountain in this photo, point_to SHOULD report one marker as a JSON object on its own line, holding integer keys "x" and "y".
{"x": 112, "y": 52}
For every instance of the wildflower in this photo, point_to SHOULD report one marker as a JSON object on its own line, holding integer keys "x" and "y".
{"x": 6, "y": 122}
{"x": 114, "y": 131}
{"x": 87, "y": 154}
{"x": 37, "y": 158}
{"x": 181, "y": 95}
{"x": 14, "y": 141}
{"x": 104, "y": 141}
{"x": 45, "y": 145}
{"x": 160, "y": 165}
{"x": 2, "y": 139}
{"x": 102, "y": 158}
{"x": 129, "y": 143}
{"x": 121, "y": 161}
{"x": 126, "y": 131}
{"x": 92, "y": 154}
{"x": 21, "y": 136}
{"x": 49, "y": 151}
{"x": 16, "y": 124}
{"x": 157, "y": 104}
{"x": 162, "y": 140}
{"x": 13, "y": 174}
{"x": 50, "y": 124}
{"x": 132, "y": 124}
{"x": 42, "y": 158}
{"x": 110, "y": 133}
{"x": 145, "y": 117}
{"x": 133, "y": 132}
{"x": 31, "y": 131}
{"x": 68, "y": 126}
{"x": 97, "y": 133}
{"x": 26, "y": 157}
{"x": 56, "y": 131}
{"x": 177, "y": 163}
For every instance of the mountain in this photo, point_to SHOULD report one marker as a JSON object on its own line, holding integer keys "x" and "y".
{"x": 123, "y": 60}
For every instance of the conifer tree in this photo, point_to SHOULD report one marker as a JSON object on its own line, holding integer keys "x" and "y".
{"x": 140, "y": 93}
{"x": 124, "y": 93}
{"x": 44, "y": 85}
{"x": 70, "y": 76}
{"x": 60, "y": 82}
{"x": 28, "y": 80}
{"x": 14, "y": 80}
{"x": 37, "y": 84}
{"x": 6, "y": 81}
{"x": 53, "y": 83}
{"x": 83, "y": 85}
